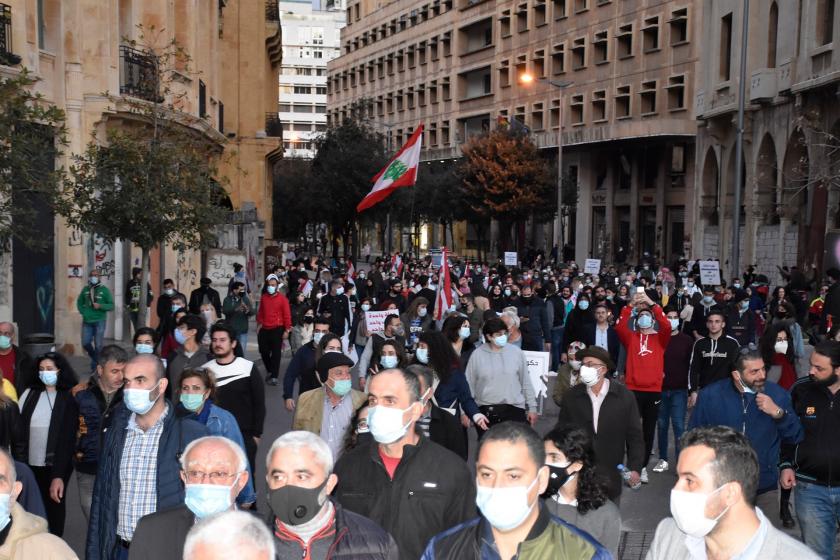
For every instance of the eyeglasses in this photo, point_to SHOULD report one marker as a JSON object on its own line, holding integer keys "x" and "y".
{"x": 198, "y": 477}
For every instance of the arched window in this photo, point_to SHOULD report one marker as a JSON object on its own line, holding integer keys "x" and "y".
{"x": 772, "y": 35}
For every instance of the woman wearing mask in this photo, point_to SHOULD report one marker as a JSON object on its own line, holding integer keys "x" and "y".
{"x": 452, "y": 392}
{"x": 511, "y": 321}
{"x": 456, "y": 329}
{"x": 416, "y": 320}
{"x": 196, "y": 400}
{"x": 359, "y": 332}
{"x": 497, "y": 298}
{"x": 302, "y": 330}
{"x": 390, "y": 356}
{"x": 208, "y": 313}
{"x": 50, "y": 418}
{"x": 145, "y": 340}
{"x": 785, "y": 317}
{"x": 359, "y": 432}
{"x": 576, "y": 491}
{"x": 580, "y": 321}
{"x": 779, "y": 356}
{"x": 568, "y": 373}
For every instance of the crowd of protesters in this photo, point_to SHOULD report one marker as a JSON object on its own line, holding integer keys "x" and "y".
{"x": 730, "y": 385}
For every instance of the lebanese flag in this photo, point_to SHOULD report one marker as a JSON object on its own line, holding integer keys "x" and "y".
{"x": 397, "y": 264}
{"x": 351, "y": 271}
{"x": 443, "y": 298}
{"x": 401, "y": 171}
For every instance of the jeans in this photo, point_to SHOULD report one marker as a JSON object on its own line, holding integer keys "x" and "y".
{"x": 671, "y": 411}
{"x": 85, "y": 491}
{"x": 242, "y": 342}
{"x": 556, "y": 346}
{"x": 818, "y": 511}
{"x": 93, "y": 334}
{"x": 648, "y": 404}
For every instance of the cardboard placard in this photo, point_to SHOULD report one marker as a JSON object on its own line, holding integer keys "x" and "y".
{"x": 709, "y": 273}
{"x": 375, "y": 320}
{"x": 592, "y": 266}
{"x": 511, "y": 258}
{"x": 538, "y": 365}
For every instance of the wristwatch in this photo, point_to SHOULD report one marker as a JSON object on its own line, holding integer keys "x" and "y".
{"x": 779, "y": 414}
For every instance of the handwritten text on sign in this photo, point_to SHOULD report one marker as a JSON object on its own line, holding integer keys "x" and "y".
{"x": 375, "y": 320}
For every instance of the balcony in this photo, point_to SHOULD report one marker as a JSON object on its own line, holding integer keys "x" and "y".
{"x": 273, "y": 126}
{"x": 7, "y": 57}
{"x": 763, "y": 85}
{"x": 138, "y": 74}
{"x": 273, "y": 33}
{"x": 272, "y": 11}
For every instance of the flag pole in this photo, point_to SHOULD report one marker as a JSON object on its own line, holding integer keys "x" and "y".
{"x": 388, "y": 232}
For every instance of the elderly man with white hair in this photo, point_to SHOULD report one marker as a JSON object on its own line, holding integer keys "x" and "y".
{"x": 15, "y": 364}
{"x": 214, "y": 470}
{"x": 234, "y": 534}
{"x": 306, "y": 522}
{"x": 24, "y": 536}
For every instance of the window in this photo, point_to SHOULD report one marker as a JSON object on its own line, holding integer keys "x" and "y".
{"x": 579, "y": 53}
{"x": 410, "y": 98}
{"x": 446, "y": 39}
{"x": 539, "y": 13}
{"x": 772, "y": 35}
{"x": 622, "y": 102}
{"x": 302, "y": 90}
{"x": 577, "y": 109}
{"x": 600, "y": 44}
{"x": 444, "y": 134}
{"x": 825, "y": 22}
{"x": 554, "y": 113}
{"x": 475, "y": 83}
{"x": 599, "y": 106}
{"x": 581, "y": 6}
{"x": 537, "y": 116}
{"x": 299, "y": 108}
{"x": 445, "y": 89}
{"x": 539, "y": 64}
{"x": 725, "y": 54}
{"x": 321, "y": 90}
{"x": 400, "y": 61}
{"x": 400, "y": 100}
{"x": 221, "y": 117}
{"x": 322, "y": 109}
{"x": 679, "y": 26}
{"x": 558, "y": 59}
{"x": 522, "y": 18}
{"x": 559, "y": 9}
{"x": 433, "y": 88}
{"x": 624, "y": 40}
{"x": 648, "y": 97}
{"x": 504, "y": 23}
{"x": 676, "y": 93}
{"x": 421, "y": 53}
{"x": 284, "y": 107}
{"x": 202, "y": 99}
{"x": 650, "y": 34}
{"x": 433, "y": 135}
{"x": 521, "y": 66}
{"x": 421, "y": 95}
{"x": 411, "y": 58}
{"x": 504, "y": 73}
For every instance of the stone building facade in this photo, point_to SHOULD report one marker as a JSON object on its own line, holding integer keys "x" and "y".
{"x": 78, "y": 49}
{"x": 627, "y": 117}
{"x": 791, "y": 132}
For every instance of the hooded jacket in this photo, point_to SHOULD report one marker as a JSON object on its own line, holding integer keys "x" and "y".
{"x": 645, "y": 369}
{"x": 712, "y": 360}
{"x": 28, "y": 539}
{"x": 500, "y": 377}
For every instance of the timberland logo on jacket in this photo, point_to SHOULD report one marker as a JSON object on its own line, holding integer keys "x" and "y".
{"x": 713, "y": 354}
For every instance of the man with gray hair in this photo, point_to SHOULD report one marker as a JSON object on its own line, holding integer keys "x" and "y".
{"x": 306, "y": 522}
{"x": 22, "y": 534}
{"x": 15, "y": 364}
{"x": 138, "y": 471}
{"x": 214, "y": 470}
{"x": 234, "y": 534}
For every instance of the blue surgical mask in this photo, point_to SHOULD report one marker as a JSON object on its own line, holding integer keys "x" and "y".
{"x": 48, "y": 377}
{"x": 645, "y": 321}
{"x": 5, "y": 344}
{"x": 174, "y": 307}
{"x": 271, "y": 289}
{"x": 505, "y": 508}
{"x": 675, "y": 324}
{"x": 342, "y": 387}
{"x": 501, "y": 340}
{"x": 94, "y": 280}
{"x": 388, "y": 362}
{"x": 141, "y": 348}
{"x": 745, "y": 304}
{"x": 139, "y": 401}
{"x": 192, "y": 401}
{"x": 747, "y": 390}
{"x": 583, "y": 304}
{"x": 5, "y": 510}
{"x": 464, "y": 333}
{"x": 708, "y": 300}
{"x": 180, "y": 337}
{"x": 205, "y": 500}
{"x": 365, "y": 307}
{"x": 317, "y": 336}
{"x": 422, "y": 355}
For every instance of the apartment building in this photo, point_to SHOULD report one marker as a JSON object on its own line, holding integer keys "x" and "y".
{"x": 311, "y": 38}
{"x": 791, "y": 131}
{"x": 628, "y": 123}
{"x": 79, "y": 50}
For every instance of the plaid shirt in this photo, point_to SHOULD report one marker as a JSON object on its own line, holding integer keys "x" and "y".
{"x": 138, "y": 474}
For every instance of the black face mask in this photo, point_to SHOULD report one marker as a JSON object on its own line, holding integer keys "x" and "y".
{"x": 526, "y": 299}
{"x": 832, "y": 379}
{"x": 557, "y": 477}
{"x": 308, "y": 320}
{"x": 294, "y": 505}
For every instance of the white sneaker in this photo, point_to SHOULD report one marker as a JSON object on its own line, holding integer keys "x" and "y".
{"x": 644, "y": 476}
{"x": 661, "y": 466}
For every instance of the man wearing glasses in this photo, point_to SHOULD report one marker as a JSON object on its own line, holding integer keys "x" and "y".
{"x": 214, "y": 470}
{"x": 139, "y": 469}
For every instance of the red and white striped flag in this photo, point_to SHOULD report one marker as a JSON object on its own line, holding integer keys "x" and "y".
{"x": 443, "y": 298}
{"x": 351, "y": 270}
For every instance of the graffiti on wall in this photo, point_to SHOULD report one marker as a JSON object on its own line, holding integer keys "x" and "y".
{"x": 220, "y": 267}
{"x": 45, "y": 298}
{"x": 103, "y": 256}
{"x": 74, "y": 238}
{"x": 187, "y": 275}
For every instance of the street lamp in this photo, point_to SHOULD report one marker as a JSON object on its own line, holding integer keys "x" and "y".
{"x": 526, "y": 80}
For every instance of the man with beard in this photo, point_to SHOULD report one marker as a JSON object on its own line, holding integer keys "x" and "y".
{"x": 812, "y": 466}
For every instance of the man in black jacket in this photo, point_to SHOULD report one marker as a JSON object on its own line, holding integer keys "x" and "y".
{"x": 436, "y": 424}
{"x": 533, "y": 317}
{"x": 205, "y": 293}
{"x": 161, "y": 535}
{"x": 335, "y": 306}
{"x": 713, "y": 356}
{"x": 410, "y": 485}
{"x": 300, "y": 505}
{"x": 425, "y": 292}
{"x": 164, "y": 302}
{"x": 616, "y": 428}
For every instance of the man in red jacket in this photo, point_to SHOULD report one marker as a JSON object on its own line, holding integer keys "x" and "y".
{"x": 644, "y": 330}
{"x": 274, "y": 321}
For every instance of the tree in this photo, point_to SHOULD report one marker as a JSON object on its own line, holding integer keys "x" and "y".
{"x": 31, "y": 133}
{"x": 503, "y": 176}
{"x": 293, "y": 206}
{"x": 154, "y": 179}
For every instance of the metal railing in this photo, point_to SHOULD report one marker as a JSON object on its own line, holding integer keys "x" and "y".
{"x": 7, "y": 57}
{"x": 273, "y": 125}
{"x": 138, "y": 74}
{"x": 272, "y": 10}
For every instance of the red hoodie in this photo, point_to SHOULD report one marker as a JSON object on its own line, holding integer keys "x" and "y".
{"x": 274, "y": 312}
{"x": 644, "y": 372}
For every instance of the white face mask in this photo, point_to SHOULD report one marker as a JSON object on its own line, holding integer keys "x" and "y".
{"x": 689, "y": 511}
{"x": 386, "y": 424}
{"x": 589, "y": 375}
{"x": 575, "y": 364}
{"x": 781, "y": 347}
{"x": 747, "y": 389}
{"x": 505, "y": 508}
{"x": 139, "y": 400}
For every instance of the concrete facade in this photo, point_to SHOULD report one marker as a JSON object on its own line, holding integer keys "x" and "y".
{"x": 791, "y": 130}
{"x": 74, "y": 48}
{"x": 627, "y": 118}
{"x": 311, "y": 38}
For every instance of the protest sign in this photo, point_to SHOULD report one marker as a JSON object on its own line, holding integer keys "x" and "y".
{"x": 592, "y": 266}
{"x": 375, "y": 320}
{"x": 510, "y": 258}
{"x": 709, "y": 273}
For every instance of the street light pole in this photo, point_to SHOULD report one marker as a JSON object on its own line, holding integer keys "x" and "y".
{"x": 387, "y": 127}
{"x": 739, "y": 145}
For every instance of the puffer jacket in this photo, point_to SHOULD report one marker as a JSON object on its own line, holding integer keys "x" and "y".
{"x": 94, "y": 417}
{"x": 28, "y": 539}
{"x": 355, "y": 536}
{"x": 177, "y": 433}
{"x": 550, "y": 537}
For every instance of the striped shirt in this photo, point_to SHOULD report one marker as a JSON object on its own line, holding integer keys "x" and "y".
{"x": 335, "y": 421}
{"x": 138, "y": 474}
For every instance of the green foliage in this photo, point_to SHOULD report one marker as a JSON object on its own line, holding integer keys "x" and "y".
{"x": 32, "y": 133}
